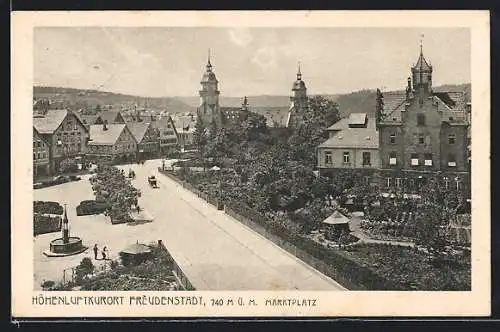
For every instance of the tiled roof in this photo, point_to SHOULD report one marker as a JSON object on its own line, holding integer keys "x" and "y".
{"x": 339, "y": 125}
{"x": 354, "y": 138}
{"x": 109, "y": 116}
{"x": 49, "y": 123}
{"x": 138, "y": 129}
{"x": 422, "y": 63}
{"x": 394, "y": 102}
{"x": 99, "y": 136}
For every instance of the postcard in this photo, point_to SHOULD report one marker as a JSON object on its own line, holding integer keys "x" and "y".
{"x": 250, "y": 164}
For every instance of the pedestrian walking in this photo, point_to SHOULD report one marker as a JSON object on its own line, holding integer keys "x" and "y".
{"x": 104, "y": 250}
{"x": 96, "y": 249}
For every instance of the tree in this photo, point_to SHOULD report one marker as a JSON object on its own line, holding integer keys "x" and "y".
{"x": 83, "y": 269}
{"x": 428, "y": 232}
{"x": 200, "y": 138}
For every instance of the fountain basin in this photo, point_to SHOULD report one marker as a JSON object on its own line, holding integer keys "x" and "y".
{"x": 58, "y": 248}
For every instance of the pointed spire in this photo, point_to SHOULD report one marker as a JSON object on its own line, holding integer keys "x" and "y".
{"x": 299, "y": 74}
{"x": 65, "y": 218}
{"x": 209, "y": 65}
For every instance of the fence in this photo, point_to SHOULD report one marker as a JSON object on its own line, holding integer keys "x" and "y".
{"x": 179, "y": 274}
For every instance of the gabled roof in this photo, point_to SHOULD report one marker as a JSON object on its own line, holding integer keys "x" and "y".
{"x": 336, "y": 218}
{"x": 138, "y": 129}
{"x": 50, "y": 121}
{"x": 184, "y": 123}
{"x": 109, "y": 116}
{"x": 99, "y": 136}
{"x": 362, "y": 138}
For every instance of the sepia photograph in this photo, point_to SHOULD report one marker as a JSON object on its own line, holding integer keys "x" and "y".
{"x": 184, "y": 159}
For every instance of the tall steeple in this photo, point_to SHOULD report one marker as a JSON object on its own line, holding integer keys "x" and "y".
{"x": 299, "y": 90}
{"x": 209, "y": 93}
{"x": 299, "y": 74}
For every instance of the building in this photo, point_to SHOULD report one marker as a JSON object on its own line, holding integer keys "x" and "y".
{"x": 235, "y": 115}
{"x": 111, "y": 142}
{"x": 110, "y": 116}
{"x": 353, "y": 143}
{"x": 422, "y": 132}
{"x": 64, "y": 133}
{"x": 298, "y": 102}
{"x": 147, "y": 138}
{"x": 185, "y": 126}
{"x": 41, "y": 152}
{"x": 209, "y": 109}
{"x": 168, "y": 140}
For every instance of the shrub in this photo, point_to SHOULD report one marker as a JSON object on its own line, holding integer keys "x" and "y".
{"x": 45, "y": 224}
{"x": 89, "y": 207}
{"x": 47, "y": 207}
{"x": 83, "y": 269}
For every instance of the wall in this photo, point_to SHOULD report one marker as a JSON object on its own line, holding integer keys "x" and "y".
{"x": 73, "y": 135}
{"x": 356, "y": 157}
{"x": 459, "y": 149}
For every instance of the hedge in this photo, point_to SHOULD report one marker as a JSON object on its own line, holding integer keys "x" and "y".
{"x": 45, "y": 224}
{"x": 47, "y": 207}
{"x": 89, "y": 207}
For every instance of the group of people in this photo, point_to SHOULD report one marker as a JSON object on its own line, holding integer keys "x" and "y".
{"x": 104, "y": 252}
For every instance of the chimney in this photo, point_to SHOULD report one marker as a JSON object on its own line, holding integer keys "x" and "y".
{"x": 105, "y": 125}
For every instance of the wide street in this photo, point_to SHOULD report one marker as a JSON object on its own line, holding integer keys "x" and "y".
{"x": 215, "y": 251}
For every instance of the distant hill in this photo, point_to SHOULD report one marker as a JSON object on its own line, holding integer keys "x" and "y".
{"x": 362, "y": 101}
{"x": 79, "y": 98}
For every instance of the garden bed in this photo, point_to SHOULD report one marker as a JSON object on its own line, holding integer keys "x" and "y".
{"x": 43, "y": 224}
{"x": 47, "y": 207}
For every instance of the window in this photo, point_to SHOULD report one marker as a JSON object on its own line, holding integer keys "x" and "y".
{"x": 328, "y": 157}
{"x": 392, "y": 158}
{"x": 421, "y": 139}
{"x": 367, "y": 180}
{"x": 399, "y": 182}
{"x": 452, "y": 161}
{"x": 457, "y": 183}
{"x": 34, "y": 156}
{"x": 420, "y": 119}
{"x": 388, "y": 182}
{"x": 428, "y": 159}
{"x": 451, "y": 139}
{"x": 366, "y": 159}
{"x": 414, "y": 159}
{"x": 34, "y": 145}
{"x": 392, "y": 138}
{"x": 347, "y": 157}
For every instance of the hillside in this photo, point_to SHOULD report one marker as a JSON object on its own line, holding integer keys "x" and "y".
{"x": 78, "y": 98}
{"x": 356, "y": 102}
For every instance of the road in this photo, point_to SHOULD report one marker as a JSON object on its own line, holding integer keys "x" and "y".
{"x": 216, "y": 251}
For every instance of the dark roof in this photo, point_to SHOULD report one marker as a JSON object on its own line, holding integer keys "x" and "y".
{"x": 422, "y": 64}
{"x": 298, "y": 85}
{"x": 50, "y": 121}
{"x": 138, "y": 129}
{"x": 109, "y": 116}
{"x": 99, "y": 136}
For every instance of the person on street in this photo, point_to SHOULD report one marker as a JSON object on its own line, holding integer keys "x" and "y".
{"x": 104, "y": 250}
{"x": 95, "y": 251}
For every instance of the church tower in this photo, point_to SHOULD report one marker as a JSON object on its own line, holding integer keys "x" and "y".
{"x": 298, "y": 101}
{"x": 209, "y": 95}
{"x": 422, "y": 75}
{"x": 299, "y": 92}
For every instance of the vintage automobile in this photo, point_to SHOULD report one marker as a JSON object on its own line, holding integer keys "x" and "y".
{"x": 152, "y": 181}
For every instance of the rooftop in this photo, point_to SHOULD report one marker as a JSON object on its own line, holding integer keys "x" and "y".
{"x": 99, "y": 136}
{"x": 50, "y": 121}
{"x": 348, "y": 137}
{"x": 138, "y": 129}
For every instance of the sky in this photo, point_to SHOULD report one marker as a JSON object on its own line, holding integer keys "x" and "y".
{"x": 167, "y": 62}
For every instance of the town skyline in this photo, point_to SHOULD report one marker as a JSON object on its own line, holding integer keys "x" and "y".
{"x": 253, "y": 61}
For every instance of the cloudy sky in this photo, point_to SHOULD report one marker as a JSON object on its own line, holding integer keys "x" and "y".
{"x": 170, "y": 61}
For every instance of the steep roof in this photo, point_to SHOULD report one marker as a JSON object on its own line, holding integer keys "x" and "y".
{"x": 362, "y": 138}
{"x": 184, "y": 123}
{"x": 99, "y": 136}
{"x": 422, "y": 63}
{"x": 50, "y": 121}
{"x": 357, "y": 119}
{"x": 109, "y": 116}
{"x": 138, "y": 129}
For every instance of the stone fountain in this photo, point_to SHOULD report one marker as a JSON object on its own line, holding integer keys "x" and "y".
{"x": 66, "y": 245}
